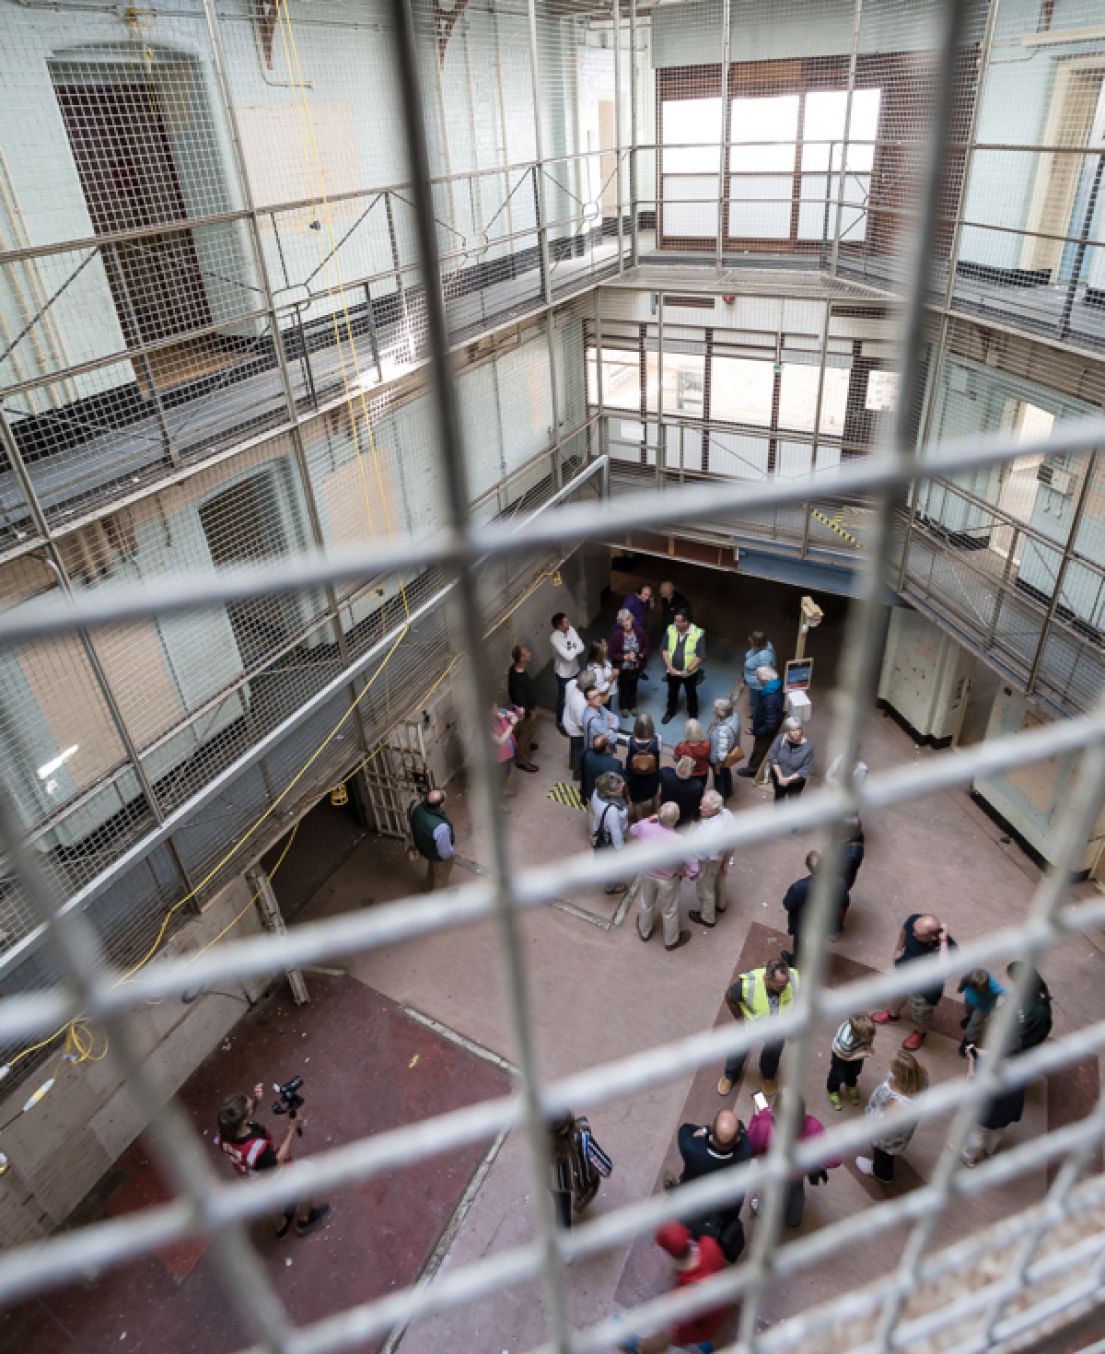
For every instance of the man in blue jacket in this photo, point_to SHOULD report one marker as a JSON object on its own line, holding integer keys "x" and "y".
{"x": 767, "y": 718}
{"x": 759, "y": 654}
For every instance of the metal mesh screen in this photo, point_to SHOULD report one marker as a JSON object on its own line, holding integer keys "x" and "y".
{"x": 327, "y": 331}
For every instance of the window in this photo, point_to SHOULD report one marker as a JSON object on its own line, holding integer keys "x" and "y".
{"x": 788, "y": 161}
{"x": 621, "y": 380}
{"x": 689, "y": 167}
{"x": 684, "y": 383}
{"x": 741, "y": 390}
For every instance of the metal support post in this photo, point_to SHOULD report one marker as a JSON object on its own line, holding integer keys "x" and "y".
{"x": 723, "y": 167}
{"x": 53, "y": 561}
{"x": 661, "y": 445}
{"x": 219, "y": 57}
{"x": 604, "y": 435}
{"x": 554, "y": 397}
{"x": 634, "y": 212}
{"x": 616, "y": 10}
{"x": 1060, "y": 577}
{"x": 396, "y": 263}
{"x": 853, "y": 57}
{"x": 539, "y": 155}
{"x": 111, "y": 261}
{"x": 273, "y": 921}
{"x": 1081, "y": 248}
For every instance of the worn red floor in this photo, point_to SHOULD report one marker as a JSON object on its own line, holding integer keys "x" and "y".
{"x": 367, "y": 1067}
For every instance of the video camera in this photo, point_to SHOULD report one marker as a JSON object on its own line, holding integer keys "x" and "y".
{"x": 289, "y": 1100}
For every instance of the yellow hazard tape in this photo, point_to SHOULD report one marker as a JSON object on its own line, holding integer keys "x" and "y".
{"x": 567, "y": 795}
{"x": 834, "y": 525}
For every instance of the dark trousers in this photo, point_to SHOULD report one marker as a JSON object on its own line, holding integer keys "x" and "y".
{"x": 842, "y": 1073}
{"x": 791, "y": 791}
{"x": 561, "y": 690}
{"x": 883, "y": 1164}
{"x": 754, "y": 698}
{"x": 563, "y": 1200}
{"x": 627, "y": 689}
{"x": 575, "y": 755}
{"x": 691, "y": 685}
{"x": 769, "y": 1062}
{"x": 760, "y": 748}
{"x": 794, "y": 1203}
{"x": 723, "y": 780}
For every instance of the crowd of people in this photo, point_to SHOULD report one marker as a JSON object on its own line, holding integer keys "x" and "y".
{"x": 635, "y": 797}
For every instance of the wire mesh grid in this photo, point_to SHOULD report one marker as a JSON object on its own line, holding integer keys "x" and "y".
{"x": 251, "y": 520}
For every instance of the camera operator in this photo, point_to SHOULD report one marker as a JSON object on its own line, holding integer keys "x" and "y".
{"x": 251, "y": 1149}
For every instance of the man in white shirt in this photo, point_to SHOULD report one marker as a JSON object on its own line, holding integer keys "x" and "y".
{"x": 713, "y": 866}
{"x": 576, "y": 691}
{"x": 566, "y": 648}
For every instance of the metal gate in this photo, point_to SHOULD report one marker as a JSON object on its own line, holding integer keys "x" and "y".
{"x": 398, "y": 774}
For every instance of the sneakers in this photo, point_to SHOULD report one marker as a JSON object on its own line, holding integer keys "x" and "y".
{"x": 853, "y": 1094}
{"x": 912, "y": 1042}
{"x": 701, "y": 920}
{"x": 835, "y": 1100}
{"x": 866, "y": 1165}
{"x": 312, "y": 1220}
{"x": 724, "y": 1085}
{"x": 884, "y": 1018}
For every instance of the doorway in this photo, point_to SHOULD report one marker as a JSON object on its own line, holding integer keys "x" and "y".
{"x": 1020, "y": 481}
{"x": 124, "y": 158}
{"x": 242, "y": 525}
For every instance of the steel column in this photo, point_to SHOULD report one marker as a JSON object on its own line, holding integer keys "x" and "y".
{"x": 539, "y": 156}
{"x": 272, "y": 918}
{"x": 1060, "y": 577}
{"x": 853, "y": 56}
{"x": 723, "y": 167}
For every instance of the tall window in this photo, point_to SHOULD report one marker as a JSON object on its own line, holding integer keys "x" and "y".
{"x": 789, "y": 168}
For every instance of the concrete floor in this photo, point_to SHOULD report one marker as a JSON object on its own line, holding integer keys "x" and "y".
{"x": 596, "y": 993}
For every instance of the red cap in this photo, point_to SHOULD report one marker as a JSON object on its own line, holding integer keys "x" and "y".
{"x": 674, "y": 1238}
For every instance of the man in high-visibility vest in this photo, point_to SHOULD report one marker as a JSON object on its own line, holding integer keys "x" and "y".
{"x": 755, "y": 995}
{"x": 683, "y": 649}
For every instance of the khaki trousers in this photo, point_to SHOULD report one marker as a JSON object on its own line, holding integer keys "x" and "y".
{"x": 437, "y": 874}
{"x": 662, "y": 894}
{"x": 709, "y": 889}
{"x": 523, "y": 737}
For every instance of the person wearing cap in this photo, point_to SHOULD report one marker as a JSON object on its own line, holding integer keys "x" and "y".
{"x": 694, "y": 1262}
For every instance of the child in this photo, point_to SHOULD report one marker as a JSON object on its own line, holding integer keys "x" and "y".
{"x": 851, "y": 1044}
{"x": 982, "y": 994}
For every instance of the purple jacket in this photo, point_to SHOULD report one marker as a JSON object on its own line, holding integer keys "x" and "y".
{"x": 637, "y": 609}
{"x": 616, "y": 651}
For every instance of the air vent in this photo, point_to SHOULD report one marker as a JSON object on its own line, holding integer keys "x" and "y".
{"x": 690, "y": 302}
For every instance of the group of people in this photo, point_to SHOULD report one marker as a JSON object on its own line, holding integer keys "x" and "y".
{"x": 634, "y": 796}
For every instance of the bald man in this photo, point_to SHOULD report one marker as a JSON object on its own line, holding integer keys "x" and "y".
{"x": 706, "y": 1148}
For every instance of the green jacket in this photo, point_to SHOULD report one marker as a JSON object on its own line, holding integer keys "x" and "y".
{"x": 423, "y": 821}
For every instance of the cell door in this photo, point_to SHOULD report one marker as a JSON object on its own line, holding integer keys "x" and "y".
{"x": 124, "y": 159}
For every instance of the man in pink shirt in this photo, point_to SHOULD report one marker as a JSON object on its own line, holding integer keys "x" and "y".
{"x": 761, "y": 1131}
{"x": 660, "y": 886}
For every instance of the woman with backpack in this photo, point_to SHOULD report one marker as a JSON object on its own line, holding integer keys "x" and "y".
{"x": 642, "y": 768}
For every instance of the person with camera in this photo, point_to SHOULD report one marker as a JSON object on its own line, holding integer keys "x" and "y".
{"x": 251, "y": 1149}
